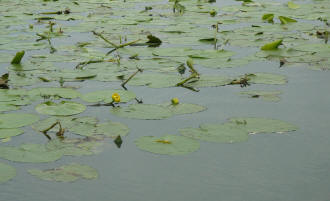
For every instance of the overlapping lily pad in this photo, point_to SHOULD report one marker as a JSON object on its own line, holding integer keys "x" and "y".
{"x": 7, "y": 172}
{"x": 66, "y": 173}
{"x": 64, "y": 108}
{"x": 167, "y": 144}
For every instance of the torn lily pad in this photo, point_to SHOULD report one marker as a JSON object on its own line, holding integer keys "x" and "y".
{"x": 106, "y": 96}
{"x": 66, "y": 173}
{"x": 10, "y": 132}
{"x": 7, "y": 172}
{"x": 64, "y": 108}
{"x": 221, "y": 133}
{"x": 29, "y": 153}
{"x": 167, "y": 144}
{"x": 255, "y": 125}
{"x": 16, "y": 120}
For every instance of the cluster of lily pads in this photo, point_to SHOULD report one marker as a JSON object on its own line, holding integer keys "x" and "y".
{"x": 138, "y": 43}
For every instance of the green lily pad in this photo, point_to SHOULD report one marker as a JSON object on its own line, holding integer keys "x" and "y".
{"x": 265, "y": 95}
{"x": 10, "y": 132}
{"x": 184, "y": 108}
{"x": 108, "y": 129}
{"x": 54, "y": 92}
{"x": 286, "y": 20}
{"x": 16, "y": 120}
{"x": 167, "y": 144}
{"x": 4, "y": 107}
{"x": 222, "y": 133}
{"x": 66, "y": 173}
{"x": 7, "y": 172}
{"x": 262, "y": 125}
{"x": 64, "y": 108}
{"x": 76, "y": 146}
{"x": 29, "y": 153}
{"x": 106, "y": 96}
{"x": 142, "y": 111}
{"x": 267, "y": 78}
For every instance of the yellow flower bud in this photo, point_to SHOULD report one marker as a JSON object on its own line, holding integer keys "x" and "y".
{"x": 175, "y": 101}
{"x": 115, "y": 97}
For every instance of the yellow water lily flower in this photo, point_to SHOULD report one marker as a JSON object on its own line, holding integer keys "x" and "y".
{"x": 175, "y": 101}
{"x": 115, "y": 98}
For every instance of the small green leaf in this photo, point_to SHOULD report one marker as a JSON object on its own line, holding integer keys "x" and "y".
{"x": 269, "y": 17}
{"x": 18, "y": 57}
{"x": 272, "y": 46}
{"x": 285, "y": 20}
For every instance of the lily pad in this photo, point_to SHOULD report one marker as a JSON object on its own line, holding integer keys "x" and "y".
{"x": 106, "y": 96}
{"x": 10, "y": 132}
{"x": 267, "y": 78}
{"x": 29, "y": 153}
{"x": 54, "y": 92}
{"x": 76, "y": 146}
{"x": 265, "y": 95}
{"x": 64, "y": 108}
{"x": 142, "y": 111}
{"x": 184, "y": 108}
{"x": 16, "y": 120}
{"x": 66, "y": 173}
{"x": 7, "y": 172}
{"x": 222, "y": 133}
{"x": 255, "y": 125}
{"x": 167, "y": 144}
{"x": 272, "y": 46}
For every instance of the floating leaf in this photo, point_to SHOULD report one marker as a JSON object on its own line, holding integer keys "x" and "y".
{"x": 16, "y": 120}
{"x": 54, "y": 92}
{"x": 272, "y": 46}
{"x": 266, "y": 78}
{"x": 184, "y": 108}
{"x": 223, "y": 133}
{"x": 64, "y": 108}
{"x": 105, "y": 96}
{"x": 10, "y": 132}
{"x": 7, "y": 172}
{"x": 76, "y": 146}
{"x": 265, "y": 95}
{"x": 167, "y": 144}
{"x": 142, "y": 111}
{"x": 262, "y": 125}
{"x": 285, "y": 20}
{"x": 66, "y": 173}
{"x": 29, "y": 153}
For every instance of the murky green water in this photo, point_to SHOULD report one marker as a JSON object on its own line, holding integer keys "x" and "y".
{"x": 293, "y": 166}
